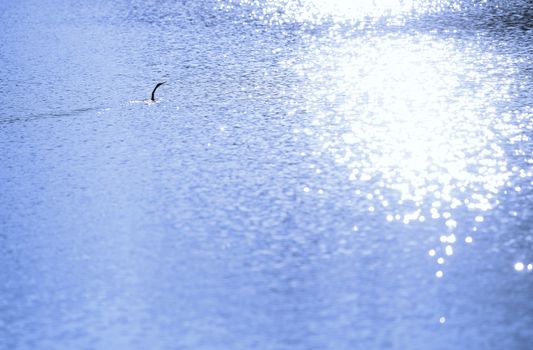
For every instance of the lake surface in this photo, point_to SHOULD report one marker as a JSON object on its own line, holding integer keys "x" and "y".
{"x": 314, "y": 175}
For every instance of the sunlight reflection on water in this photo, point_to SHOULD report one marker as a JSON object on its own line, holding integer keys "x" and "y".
{"x": 414, "y": 118}
{"x": 417, "y": 116}
{"x": 414, "y": 114}
{"x": 347, "y": 11}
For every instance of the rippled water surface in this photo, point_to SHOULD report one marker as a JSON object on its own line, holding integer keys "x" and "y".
{"x": 314, "y": 174}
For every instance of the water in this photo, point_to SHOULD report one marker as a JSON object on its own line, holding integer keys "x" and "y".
{"x": 314, "y": 175}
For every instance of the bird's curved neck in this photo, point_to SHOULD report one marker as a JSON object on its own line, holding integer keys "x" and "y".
{"x": 153, "y": 92}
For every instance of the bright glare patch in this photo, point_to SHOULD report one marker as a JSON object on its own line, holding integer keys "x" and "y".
{"x": 451, "y": 223}
{"x": 340, "y": 11}
{"x": 415, "y": 112}
{"x": 442, "y": 320}
{"x": 449, "y": 250}
{"x": 519, "y": 266}
{"x": 415, "y": 115}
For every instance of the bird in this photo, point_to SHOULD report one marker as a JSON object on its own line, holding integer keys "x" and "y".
{"x": 153, "y": 92}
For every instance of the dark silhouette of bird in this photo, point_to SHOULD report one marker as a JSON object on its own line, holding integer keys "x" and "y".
{"x": 153, "y": 92}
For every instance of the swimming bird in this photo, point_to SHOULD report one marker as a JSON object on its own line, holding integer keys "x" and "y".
{"x": 153, "y": 92}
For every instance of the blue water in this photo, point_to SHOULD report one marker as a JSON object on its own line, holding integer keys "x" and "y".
{"x": 314, "y": 175}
